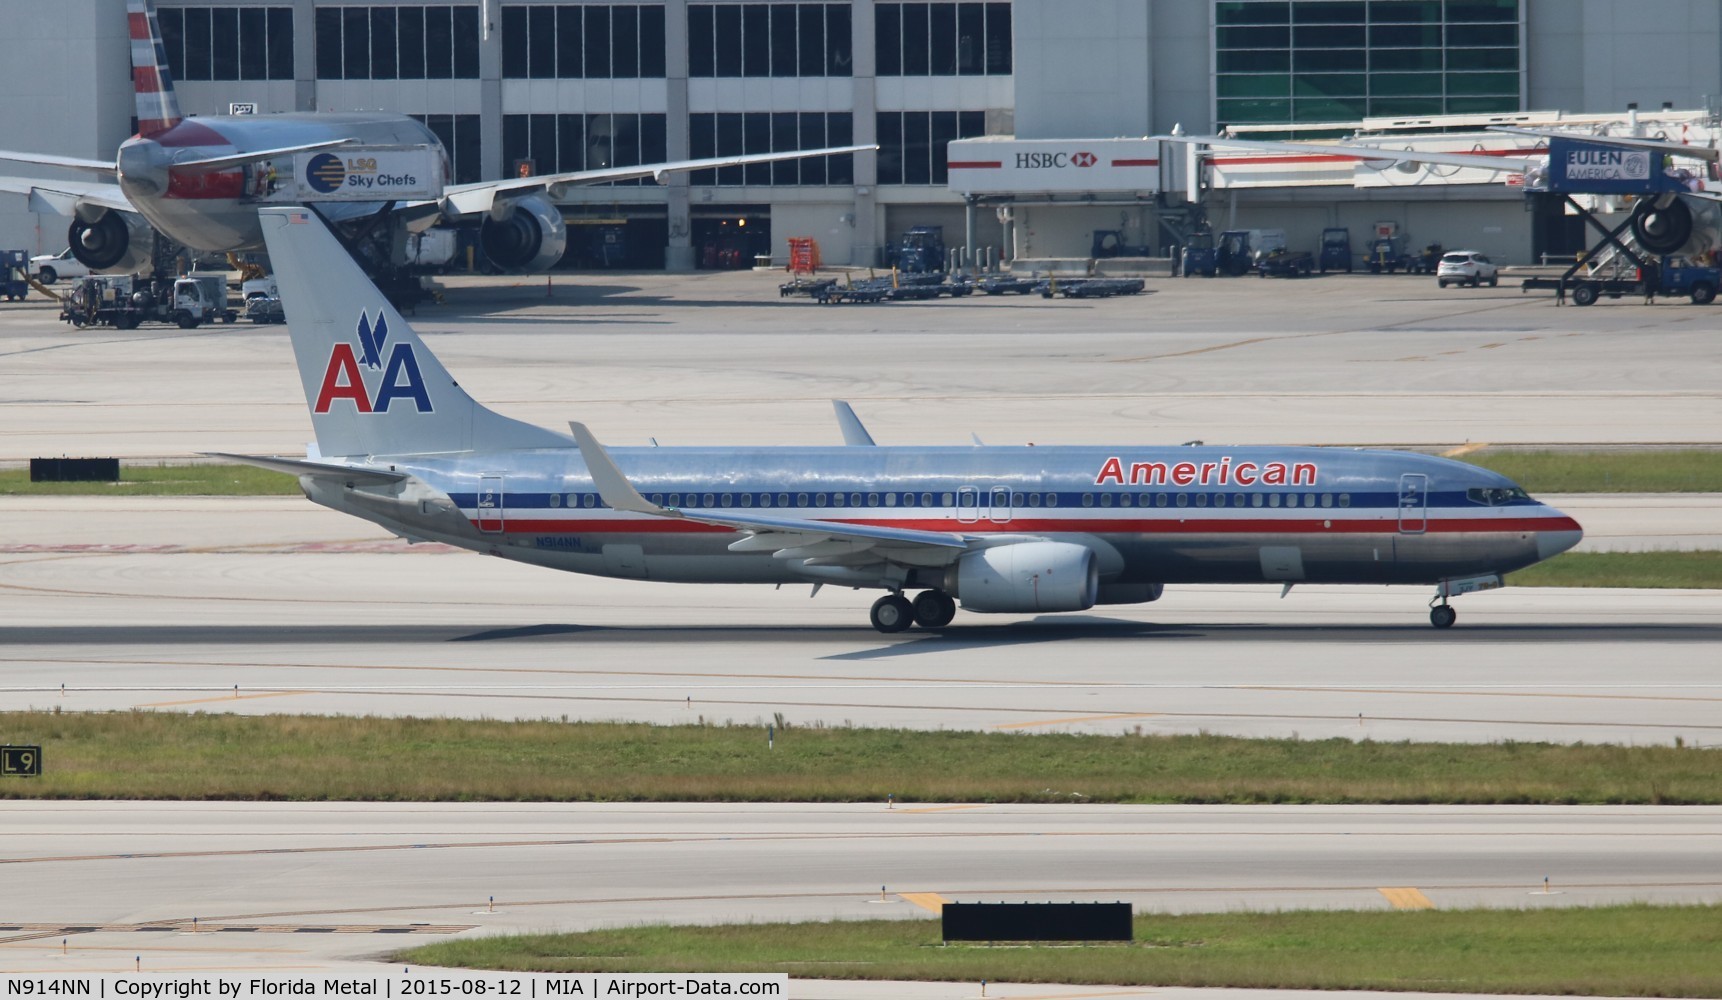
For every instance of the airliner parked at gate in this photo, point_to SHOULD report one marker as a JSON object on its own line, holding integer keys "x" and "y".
{"x": 998, "y": 529}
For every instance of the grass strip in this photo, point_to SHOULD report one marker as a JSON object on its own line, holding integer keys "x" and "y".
{"x": 1674, "y": 471}
{"x": 167, "y": 755}
{"x": 1680, "y": 570}
{"x": 1629, "y": 950}
{"x": 162, "y": 480}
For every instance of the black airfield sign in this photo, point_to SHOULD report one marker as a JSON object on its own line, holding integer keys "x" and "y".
{"x": 23, "y": 762}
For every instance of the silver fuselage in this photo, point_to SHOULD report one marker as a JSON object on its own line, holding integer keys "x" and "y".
{"x": 1158, "y": 515}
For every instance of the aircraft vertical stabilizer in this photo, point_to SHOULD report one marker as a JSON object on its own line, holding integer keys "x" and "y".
{"x": 158, "y": 108}
{"x": 372, "y": 385}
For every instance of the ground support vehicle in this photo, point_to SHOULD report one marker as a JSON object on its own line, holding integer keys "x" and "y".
{"x": 804, "y": 286}
{"x": 921, "y": 250}
{"x": 126, "y": 301}
{"x": 1198, "y": 256}
{"x": 1426, "y": 261}
{"x": 1285, "y": 263}
{"x": 49, "y": 268}
{"x": 1005, "y": 284}
{"x": 1385, "y": 254}
{"x": 14, "y": 274}
{"x": 265, "y": 309}
{"x": 1675, "y": 278}
{"x": 1110, "y": 243}
{"x": 1336, "y": 249}
{"x": 1089, "y": 288}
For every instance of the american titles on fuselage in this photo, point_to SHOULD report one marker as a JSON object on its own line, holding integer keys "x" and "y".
{"x": 1222, "y": 472}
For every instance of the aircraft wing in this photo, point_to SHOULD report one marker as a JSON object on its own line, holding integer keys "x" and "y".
{"x": 300, "y": 467}
{"x": 65, "y": 197}
{"x": 768, "y": 533}
{"x": 1476, "y": 161}
{"x": 471, "y": 199}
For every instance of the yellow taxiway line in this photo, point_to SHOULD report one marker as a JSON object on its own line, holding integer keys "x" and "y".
{"x": 1407, "y": 899}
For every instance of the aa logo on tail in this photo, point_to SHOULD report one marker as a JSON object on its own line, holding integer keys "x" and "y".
{"x": 345, "y": 379}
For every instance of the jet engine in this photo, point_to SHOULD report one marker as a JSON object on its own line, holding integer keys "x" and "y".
{"x": 1026, "y": 576}
{"x": 524, "y": 234}
{"x": 1662, "y": 229}
{"x": 1129, "y": 593}
{"x": 113, "y": 242}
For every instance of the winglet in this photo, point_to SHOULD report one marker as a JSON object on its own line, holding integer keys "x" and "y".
{"x": 854, "y": 433}
{"x": 613, "y": 487}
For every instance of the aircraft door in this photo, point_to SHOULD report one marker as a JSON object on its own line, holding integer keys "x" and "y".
{"x": 490, "y": 504}
{"x": 999, "y": 509}
{"x": 1413, "y": 503}
{"x": 968, "y": 505}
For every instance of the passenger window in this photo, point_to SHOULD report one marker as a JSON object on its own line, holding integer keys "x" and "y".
{"x": 801, "y": 499}
{"x": 1237, "y": 499}
{"x": 1088, "y": 500}
{"x": 1327, "y": 499}
{"x": 1034, "y": 499}
{"x": 658, "y": 498}
{"x": 1201, "y": 499}
{"x": 946, "y": 499}
{"x": 854, "y": 499}
{"x": 555, "y": 499}
{"x": 1255, "y": 499}
{"x": 1183, "y": 499}
{"x": 1273, "y": 499}
{"x": 1159, "y": 499}
{"x": 1123, "y": 499}
{"x": 819, "y": 501}
{"x": 1018, "y": 500}
{"x": 890, "y": 499}
{"x": 747, "y": 499}
{"x": 1309, "y": 499}
{"x": 872, "y": 499}
{"x": 836, "y": 499}
{"x": 927, "y": 500}
{"x": 765, "y": 499}
{"x": 729, "y": 500}
{"x": 783, "y": 499}
{"x": 908, "y": 499}
{"x": 709, "y": 500}
{"x": 1052, "y": 499}
{"x": 1345, "y": 499}
{"x": 1105, "y": 499}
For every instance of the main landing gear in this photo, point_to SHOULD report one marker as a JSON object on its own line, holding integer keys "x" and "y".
{"x": 930, "y": 609}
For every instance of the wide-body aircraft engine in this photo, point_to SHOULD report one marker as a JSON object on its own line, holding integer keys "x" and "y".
{"x": 113, "y": 241}
{"x": 524, "y": 234}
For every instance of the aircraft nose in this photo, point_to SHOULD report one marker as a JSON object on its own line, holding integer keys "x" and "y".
{"x": 1561, "y": 535}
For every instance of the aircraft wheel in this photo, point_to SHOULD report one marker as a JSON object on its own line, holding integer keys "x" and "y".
{"x": 1443, "y": 616}
{"x": 934, "y": 609}
{"x": 892, "y": 613}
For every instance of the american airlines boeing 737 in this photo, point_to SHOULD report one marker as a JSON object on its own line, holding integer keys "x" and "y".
{"x": 1018, "y": 530}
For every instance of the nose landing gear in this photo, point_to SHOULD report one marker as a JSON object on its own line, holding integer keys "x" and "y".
{"x": 1443, "y": 616}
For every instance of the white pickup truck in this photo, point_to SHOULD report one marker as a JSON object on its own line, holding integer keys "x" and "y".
{"x": 51, "y": 267}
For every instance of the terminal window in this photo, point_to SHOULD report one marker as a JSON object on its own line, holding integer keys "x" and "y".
{"x": 1319, "y": 60}
{"x": 587, "y": 41}
{"x": 228, "y": 43}
{"x": 912, "y": 143}
{"x": 742, "y": 132}
{"x": 942, "y": 39}
{"x": 460, "y": 137}
{"x": 438, "y": 42}
{"x": 561, "y": 143}
{"x": 771, "y": 40}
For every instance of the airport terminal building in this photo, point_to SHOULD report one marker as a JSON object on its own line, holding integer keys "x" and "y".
{"x": 547, "y": 85}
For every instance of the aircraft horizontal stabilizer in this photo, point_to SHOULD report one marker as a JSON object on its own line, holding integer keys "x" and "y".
{"x": 66, "y": 162}
{"x": 299, "y": 467}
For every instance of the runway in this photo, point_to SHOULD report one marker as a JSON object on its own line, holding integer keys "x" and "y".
{"x": 310, "y": 884}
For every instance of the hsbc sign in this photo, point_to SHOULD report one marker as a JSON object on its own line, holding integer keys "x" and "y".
{"x": 1002, "y": 164}
{"x": 1044, "y": 161}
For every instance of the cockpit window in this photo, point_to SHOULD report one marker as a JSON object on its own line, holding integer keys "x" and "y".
{"x": 1495, "y": 496}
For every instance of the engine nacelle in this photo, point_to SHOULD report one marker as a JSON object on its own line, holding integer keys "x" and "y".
{"x": 114, "y": 242}
{"x": 1129, "y": 593}
{"x": 1026, "y": 577}
{"x": 529, "y": 235}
